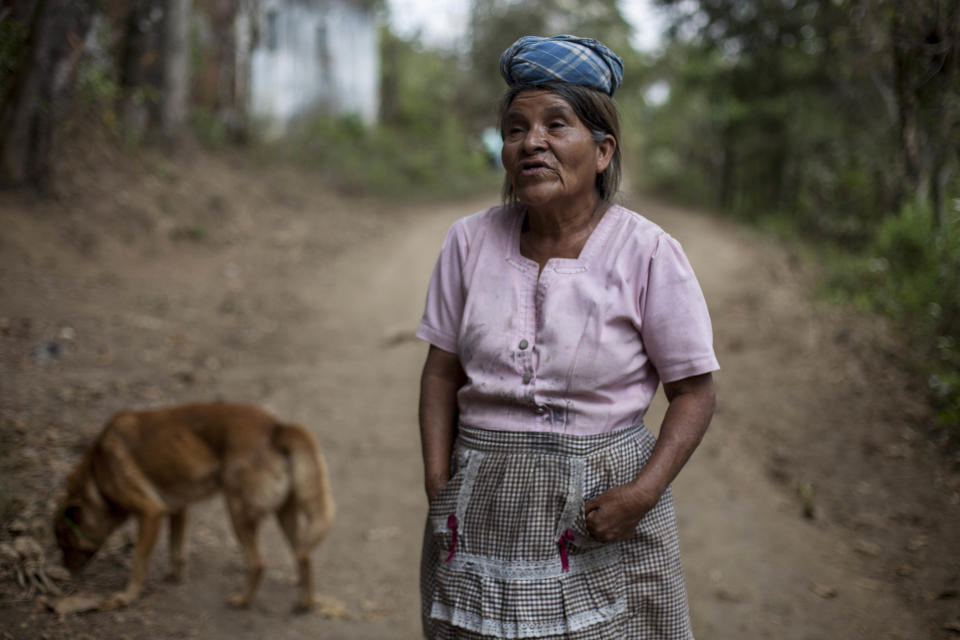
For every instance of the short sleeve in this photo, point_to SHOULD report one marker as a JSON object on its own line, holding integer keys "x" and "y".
{"x": 443, "y": 311}
{"x": 675, "y": 324}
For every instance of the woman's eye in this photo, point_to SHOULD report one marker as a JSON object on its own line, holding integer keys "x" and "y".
{"x": 557, "y": 124}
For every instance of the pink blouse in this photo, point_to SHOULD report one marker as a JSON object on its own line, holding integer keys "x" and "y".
{"x": 579, "y": 349}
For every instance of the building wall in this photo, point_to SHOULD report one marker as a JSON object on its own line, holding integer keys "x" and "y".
{"x": 314, "y": 55}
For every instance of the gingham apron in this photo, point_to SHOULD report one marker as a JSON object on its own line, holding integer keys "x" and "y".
{"x": 507, "y": 554}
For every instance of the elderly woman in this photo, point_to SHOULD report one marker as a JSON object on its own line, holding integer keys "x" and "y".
{"x": 551, "y": 321}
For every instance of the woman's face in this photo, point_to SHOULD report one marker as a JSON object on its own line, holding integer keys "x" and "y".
{"x": 550, "y": 156}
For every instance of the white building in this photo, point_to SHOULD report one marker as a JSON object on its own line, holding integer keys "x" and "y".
{"x": 311, "y": 55}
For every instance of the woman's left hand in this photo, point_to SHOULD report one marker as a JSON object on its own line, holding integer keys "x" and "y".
{"x": 614, "y": 514}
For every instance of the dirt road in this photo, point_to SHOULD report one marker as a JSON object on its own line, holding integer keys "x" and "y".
{"x": 813, "y": 510}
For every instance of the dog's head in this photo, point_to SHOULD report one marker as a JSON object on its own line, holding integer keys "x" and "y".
{"x": 83, "y": 518}
{"x": 75, "y": 536}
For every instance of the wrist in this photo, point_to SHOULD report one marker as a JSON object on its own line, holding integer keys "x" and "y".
{"x": 646, "y": 489}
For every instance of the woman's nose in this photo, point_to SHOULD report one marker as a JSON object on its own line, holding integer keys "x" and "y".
{"x": 535, "y": 139}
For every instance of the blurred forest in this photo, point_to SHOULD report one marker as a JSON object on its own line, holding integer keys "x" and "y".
{"x": 832, "y": 122}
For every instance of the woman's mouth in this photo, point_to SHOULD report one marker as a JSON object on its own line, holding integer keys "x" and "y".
{"x": 533, "y": 168}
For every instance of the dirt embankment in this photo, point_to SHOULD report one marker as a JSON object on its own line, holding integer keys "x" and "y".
{"x": 812, "y": 510}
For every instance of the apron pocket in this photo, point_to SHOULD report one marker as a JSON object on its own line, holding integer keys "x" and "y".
{"x": 508, "y": 576}
{"x": 446, "y": 511}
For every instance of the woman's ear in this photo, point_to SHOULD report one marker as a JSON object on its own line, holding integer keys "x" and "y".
{"x": 605, "y": 149}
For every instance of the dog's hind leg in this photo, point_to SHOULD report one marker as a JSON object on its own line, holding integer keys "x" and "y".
{"x": 287, "y": 516}
{"x": 246, "y": 530}
{"x": 150, "y": 525}
{"x": 178, "y": 526}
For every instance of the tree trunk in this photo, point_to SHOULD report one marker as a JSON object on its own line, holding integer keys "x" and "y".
{"x": 907, "y": 107}
{"x": 37, "y": 94}
{"x": 176, "y": 67}
{"x": 948, "y": 145}
{"x": 141, "y": 69}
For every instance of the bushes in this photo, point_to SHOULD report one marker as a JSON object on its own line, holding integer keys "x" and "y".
{"x": 387, "y": 161}
{"x": 423, "y": 143}
{"x": 911, "y": 272}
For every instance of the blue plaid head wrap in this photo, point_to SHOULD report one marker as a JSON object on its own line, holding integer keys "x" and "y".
{"x": 534, "y": 60}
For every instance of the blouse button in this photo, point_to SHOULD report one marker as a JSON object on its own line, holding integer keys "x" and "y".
{"x": 526, "y": 378}
{"x": 524, "y": 344}
{"x": 541, "y": 409}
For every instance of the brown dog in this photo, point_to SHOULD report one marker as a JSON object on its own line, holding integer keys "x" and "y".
{"x": 152, "y": 464}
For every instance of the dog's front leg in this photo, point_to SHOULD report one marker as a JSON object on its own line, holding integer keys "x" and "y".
{"x": 150, "y": 525}
{"x": 178, "y": 526}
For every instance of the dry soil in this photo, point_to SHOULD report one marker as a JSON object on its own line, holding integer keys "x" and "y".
{"x": 814, "y": 509}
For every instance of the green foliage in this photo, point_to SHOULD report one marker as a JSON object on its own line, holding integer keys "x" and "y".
{"x": 208, "y": 127}
{"x": 97, "y": 87}
{"x": 820, "y": 118}
{"x": 387, "y": 161}
{"x": 911, "y": 272}
{"x": 421, "y": 145}
{"x": 435, "y": 104}
{"x": 811, "y": 108}
{"x": 418, "y": 86}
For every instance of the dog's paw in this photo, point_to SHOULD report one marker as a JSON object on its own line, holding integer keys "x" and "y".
{"x": 303, "y": 606}
{"x": 238, "y": 601}
{"x": 173, "y": 575}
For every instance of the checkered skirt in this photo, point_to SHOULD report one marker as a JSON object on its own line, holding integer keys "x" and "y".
{"x": 507, "y": 554}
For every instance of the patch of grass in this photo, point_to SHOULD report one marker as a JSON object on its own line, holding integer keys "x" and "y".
{"x": 385, "y": 161}
{"x": 210, "y": 129}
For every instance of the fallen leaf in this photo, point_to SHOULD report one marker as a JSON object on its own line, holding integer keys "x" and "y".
{"x": 330, "y": 607}
{"x": 77, "y": 603}
{"x": 373, "y": 611}
{"x": 382, "y": 533}
{"x": 867, "y": 548}
{"x": 869, "y": 584}
{"x": 917, "y": 543}
{"x": 824, "y": 591}
{"x": 725, "y": 595}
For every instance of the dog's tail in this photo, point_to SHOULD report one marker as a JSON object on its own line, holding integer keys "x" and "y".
{"x": 310, "y": 482}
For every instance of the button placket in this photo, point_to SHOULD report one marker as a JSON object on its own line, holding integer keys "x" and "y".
{"x": 524, "y": 345}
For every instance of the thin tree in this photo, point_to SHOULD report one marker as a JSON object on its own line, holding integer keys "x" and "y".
{"x": 41, "y": 44}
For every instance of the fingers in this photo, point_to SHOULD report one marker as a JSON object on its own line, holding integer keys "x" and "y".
{"x": 598, "y": 526}
{"x": 606, "y": 523}
{"x": 591, "y": 505}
